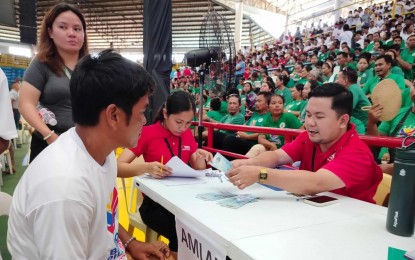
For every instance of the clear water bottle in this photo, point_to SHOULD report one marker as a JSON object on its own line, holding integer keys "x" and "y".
{"x": 401, "y": 209}
{"x": 48, "y": 117}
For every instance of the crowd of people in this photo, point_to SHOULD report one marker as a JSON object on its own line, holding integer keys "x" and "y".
{"x": 358, "y": 52}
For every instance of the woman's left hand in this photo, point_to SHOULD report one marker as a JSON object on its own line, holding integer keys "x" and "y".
{"x": 203, "y": 154}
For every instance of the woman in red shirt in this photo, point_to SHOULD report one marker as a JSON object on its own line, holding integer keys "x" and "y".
{"x": 169, "y": 136}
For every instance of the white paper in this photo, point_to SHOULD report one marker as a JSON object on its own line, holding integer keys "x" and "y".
{"x": 177, "y": 181}
{"x": 180, "y": 169}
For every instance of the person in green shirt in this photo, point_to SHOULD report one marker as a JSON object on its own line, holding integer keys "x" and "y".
{"x": 275, "y": 119}
{"x": 348, "y": 79}
{"x": 371, "y": 46}
{"x": 364, "y": 72}
{"x": 268, "y": 86}
{"x": 243, "y": 141}
{"x": 304, "y": 75}
{"x": 297, "y": 103}
{"x": 396, "y": 70}
{"x": 240, "y": 85}
{"x": 327, "y": 71}
{"x": 213, "y": 115}
{"x": 383, "y": 64}
{"x": 233, "y": 117}
{"x": 406, "y": 58}
{"x": 322, "y": 56}
{"x": 308, "y": 87}
{"x": 290, "y": 83}
{"x": 402, "y": 125}
{"x": 281, "y": 82}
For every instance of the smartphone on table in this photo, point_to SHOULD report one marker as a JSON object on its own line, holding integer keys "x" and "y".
{"x": 320, "y": 201}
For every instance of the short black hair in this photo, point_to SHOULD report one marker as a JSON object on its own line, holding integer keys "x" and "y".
{"x": 388, "y": 59}
{"x": 350, "y": 74}
{"x": 267, "y": 96}
{"x": 215, "y": 104}
{"x": 106, "y": 78}
{"x": 342, "y": 98}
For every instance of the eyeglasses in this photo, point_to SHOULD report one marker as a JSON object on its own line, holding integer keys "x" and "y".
{"x": 233, "y": 95}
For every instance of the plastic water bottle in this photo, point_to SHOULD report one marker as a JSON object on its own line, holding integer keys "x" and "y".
{"x": 401, "y": 209}
{"x": 48, "y": 117}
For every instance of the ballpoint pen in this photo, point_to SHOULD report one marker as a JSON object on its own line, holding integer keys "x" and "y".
{"x": 161, "y": 168}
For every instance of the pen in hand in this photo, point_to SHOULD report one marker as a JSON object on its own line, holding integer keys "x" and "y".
{"x": 161, "y": 161}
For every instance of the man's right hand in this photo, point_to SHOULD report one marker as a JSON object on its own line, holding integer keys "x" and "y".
{"x": 374, "y": 113}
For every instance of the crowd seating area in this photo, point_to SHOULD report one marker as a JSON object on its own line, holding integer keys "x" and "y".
{"x": 317, "y": 54}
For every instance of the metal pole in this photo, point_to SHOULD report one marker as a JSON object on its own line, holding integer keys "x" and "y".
{"x": 200, "y": 125}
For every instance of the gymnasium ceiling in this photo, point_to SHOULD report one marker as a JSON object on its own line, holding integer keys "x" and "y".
{"x": 119, "y": 23}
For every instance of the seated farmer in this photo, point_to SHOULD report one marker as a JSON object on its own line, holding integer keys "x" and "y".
{"x": 233, "y": 117}
{"x": 214, "y": 114}
{"x": 243, "y": 141}
{"x": 276, "y": 118}
{"x": 332, "y": 156}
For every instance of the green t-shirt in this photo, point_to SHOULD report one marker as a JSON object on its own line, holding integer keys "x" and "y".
{"x": 237, "y": 119}
{"x": 371, "y": 84}
{"x": 406, "y": 98}
{"x": 352, "y": 65}
{"x": 323, "y": 56}
{"x": 397, "y": 71}
{"x": 286, "y": 120}
{"x": 215, "y": 115}
{"x": 295, "y": 105}
{"x": 290, "y": 83}
{"x": 359, "y": 100}
{"x": 369, "y": 48}
{"x": 286, "y": 93}
{"x": 196, "y": 91}
{"x": 207, "y": 104}
{"x": 408, "y": 126}
{"x": 240, "y": 87}
{"x": 223, "y": 107}
{"x": 364, "y": 76}
{"x": 360, "y": 127}
{"x": 256, "y": 120}
{"x": 408, "y": 56}
{"x": 302, "y": 81}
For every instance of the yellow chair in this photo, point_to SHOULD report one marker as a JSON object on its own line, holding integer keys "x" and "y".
{"x": 134, "y": 216}
{"x": 383, "y": 189}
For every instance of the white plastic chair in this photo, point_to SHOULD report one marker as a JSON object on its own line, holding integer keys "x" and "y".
{"x": 6, "y": 154}
{"x": 5, "y": 202}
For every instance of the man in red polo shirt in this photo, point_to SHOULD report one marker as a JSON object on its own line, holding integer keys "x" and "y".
{"x": 332, "y": 156}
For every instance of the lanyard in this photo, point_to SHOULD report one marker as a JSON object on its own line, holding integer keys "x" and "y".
{"x": 179, "y": 152}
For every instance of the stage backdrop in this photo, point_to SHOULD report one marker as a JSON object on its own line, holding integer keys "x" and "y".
{"x": 157, "y": 44}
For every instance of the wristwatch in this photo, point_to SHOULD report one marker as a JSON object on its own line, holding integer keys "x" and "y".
{"x": 263, "y": 175}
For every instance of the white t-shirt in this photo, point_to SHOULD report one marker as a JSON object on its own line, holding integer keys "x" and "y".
{"x": 7, "y": 127}
{"x": 66, "y": 206}
{"x": 346, "y": 36}
{"x": 14, "y": 96}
